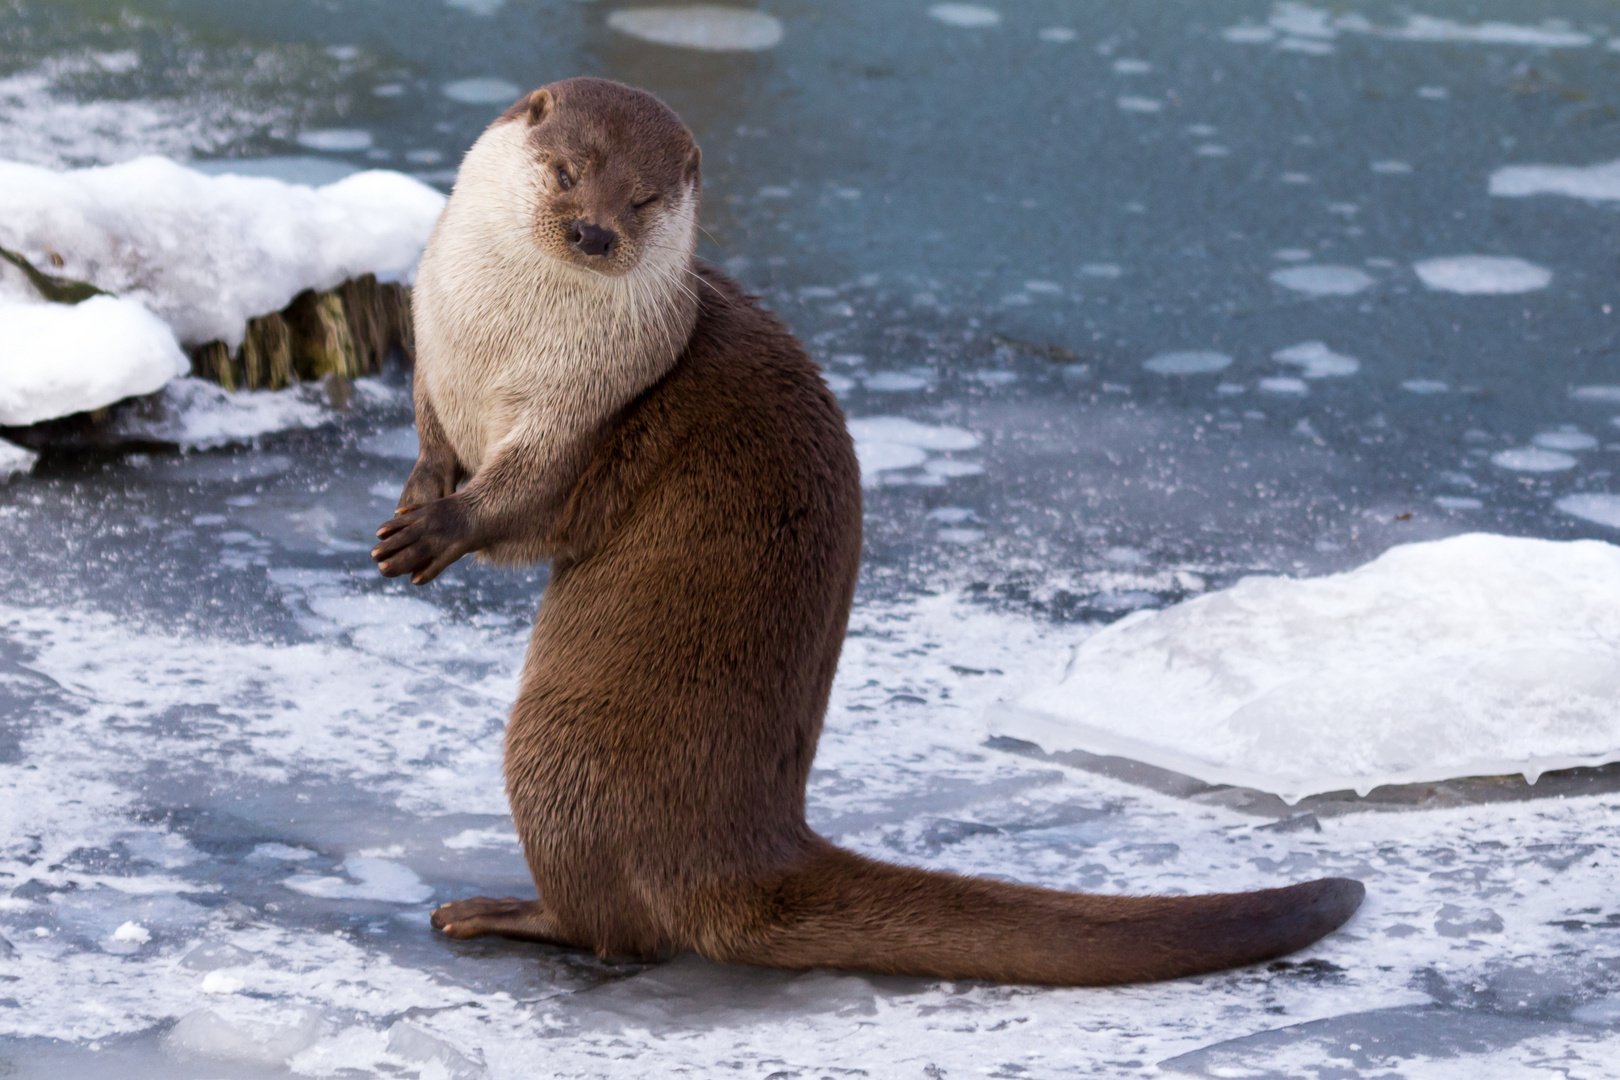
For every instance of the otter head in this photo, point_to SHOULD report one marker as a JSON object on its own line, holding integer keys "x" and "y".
{"x": 618, "y": 177}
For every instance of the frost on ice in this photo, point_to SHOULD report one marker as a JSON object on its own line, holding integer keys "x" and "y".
{"x": 1475, "y": 655}
{"x": 188, "y": 259}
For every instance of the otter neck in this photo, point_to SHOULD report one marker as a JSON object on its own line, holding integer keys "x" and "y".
{"x": 515, "y": 342}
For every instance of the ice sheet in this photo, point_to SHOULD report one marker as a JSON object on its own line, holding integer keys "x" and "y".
{"x": 1492, "y": 655}
{"x": 206, "y": 253}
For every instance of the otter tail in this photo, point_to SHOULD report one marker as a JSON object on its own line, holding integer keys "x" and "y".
{"x": 840, "y": 910}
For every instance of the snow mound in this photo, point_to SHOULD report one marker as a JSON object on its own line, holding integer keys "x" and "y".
{"x": 57, "y": 359}
{"x": 207, "y": 253}
{"x": 1475, "y": 655}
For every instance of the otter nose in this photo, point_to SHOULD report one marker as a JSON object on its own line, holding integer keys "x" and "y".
{"x": 588, "y": 239}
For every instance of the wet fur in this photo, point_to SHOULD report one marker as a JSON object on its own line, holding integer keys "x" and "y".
{"x": 700, "y": 502}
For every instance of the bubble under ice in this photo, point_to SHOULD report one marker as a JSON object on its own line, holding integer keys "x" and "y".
{"x": 1495, "y": 655}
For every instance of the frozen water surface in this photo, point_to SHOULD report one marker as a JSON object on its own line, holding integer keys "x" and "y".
{"x": 238, "y": 768}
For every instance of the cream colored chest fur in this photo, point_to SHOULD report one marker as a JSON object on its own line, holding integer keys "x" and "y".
{"x": 513, "y": 345}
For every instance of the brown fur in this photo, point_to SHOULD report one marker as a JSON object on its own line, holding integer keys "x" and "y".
{"x": 705, "y": 550}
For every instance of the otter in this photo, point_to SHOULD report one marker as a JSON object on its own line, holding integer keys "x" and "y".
{"x": 589, "y": 393}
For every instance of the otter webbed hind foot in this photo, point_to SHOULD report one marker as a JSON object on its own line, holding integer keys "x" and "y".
{"x": 523, "y": 920}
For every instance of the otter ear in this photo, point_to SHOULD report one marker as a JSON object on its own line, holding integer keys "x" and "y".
{"x": 694, "y": 165}
{"x": 537, "y": 106}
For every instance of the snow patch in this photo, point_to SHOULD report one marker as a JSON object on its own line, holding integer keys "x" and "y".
{"x": 1495, "y": 655}
{"x": 705, "y": 27}
{"x": 1482, "y": 275}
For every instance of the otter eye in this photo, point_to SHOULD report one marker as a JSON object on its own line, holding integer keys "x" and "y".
{"x": 641, "y": 204}
{"x": 564, "y": 181}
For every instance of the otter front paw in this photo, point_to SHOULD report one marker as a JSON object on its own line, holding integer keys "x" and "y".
{"x": 423, "y": 541}
{"x": 433, "y": 477}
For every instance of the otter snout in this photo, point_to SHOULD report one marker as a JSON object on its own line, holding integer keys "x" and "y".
{"x": 589, "y": 239}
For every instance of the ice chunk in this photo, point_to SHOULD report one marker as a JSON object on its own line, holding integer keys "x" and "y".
{"x": 1492, "y": 655}
{"x": 894, "y": 382}
{"x": 1283, "y": 384}
{"x": 206, "y": 253}
{"x": 1137, "y": 104}
{"x": 15, "y": 459}
{"x": 482, "y": 91}
{"x": 897, "y": 429}
{"x": 1577, "y": 181}
{"x": 707, "y": 27}
{"x": 1569, "y": 441}
{"x": 418, "y": 1047}
{"x": 1188, "y": 362}
{"x": 968, "y": 15}
{"x": 369, "y": 879}
{"x": 1480, "y": 275}
{"x": 400, "y": 443}
{"x": 1532, "y": 459}
{"x": 1607, "y": 395}
{"x": 198, "y": 415}
{"x": 1316, "y": 361}
{"x": 132, "y": 933}
{"x": 57, "y": 359}
{"x": 1323, "y": 280}
{"x": 336, "y": 140}
{"x": 258, "y": 1033}
{"x": 1595, "y": 507}
{"x": 1430, "y": 28}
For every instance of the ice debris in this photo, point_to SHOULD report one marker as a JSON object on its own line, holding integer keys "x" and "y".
{"x": 1595, "y": 182}
{"x": 1474, "y": 655}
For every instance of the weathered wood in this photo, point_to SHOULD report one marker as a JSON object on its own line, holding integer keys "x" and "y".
{"x": 343, "y": 332}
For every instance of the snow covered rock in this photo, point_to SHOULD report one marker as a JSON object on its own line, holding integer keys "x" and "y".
{"x": 57, "y": 359}
{"x": 263, "y": 281}
{"x": 207, "y": 253}
{"x": 1470, "y": 656}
